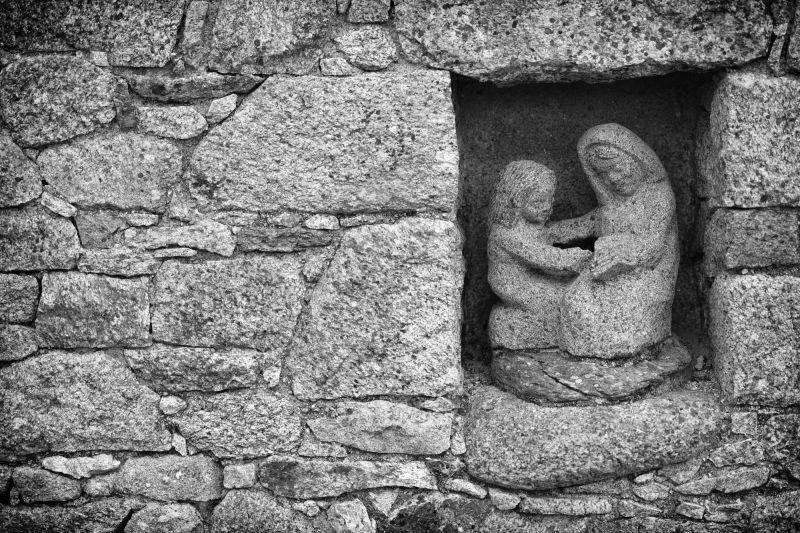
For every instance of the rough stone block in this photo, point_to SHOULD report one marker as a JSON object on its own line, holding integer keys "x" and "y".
{"x": 512, "y": 41}
{"x": 86, "y": 310}
{"x": 204, "y": 234}
{"x": 350, "y": 516}
{"x": 81, "y": 467}
{"x": 369, "y": 11}
{"x": 249, "y": 302}
{"x": 339, "y": 145}
{"x": 169, "y": 518}
{"x": 320, "y": 479}
{"x": 368, "y": 47}
{"x": 33, "y": 239}
{"x": 248, "y": 511}
{"x": 751, "y": 238}
{"x": 16, "y": 342}
{"x": 48, "y": 99}
{"x": 122, "y": 170}
{"x": 170, "y": 477}
{"x": 66, "y": 402}
{"x": 516, "y": 444}
{"x": 241, "y": 424}
{"x": 101, "y": 228}
{"x": 18, "y": 296}
{"x": 240, "y": 476}
{"x": 118, "y": 262}
{"x": 20, "y": 181}
{"x": 754, "y": 339}
{"x": 180, "y": 122}
{"x": 37, "y": 485}
{"x": 386, "y": 427}
{"x": 166, "y": 88}
{"x": 133, "y": 33}
{"x": 748, "y": 155}
{"x": 255, "y": 36}
{"x": 103, "y": 516}
{"x": 385, "y": 317}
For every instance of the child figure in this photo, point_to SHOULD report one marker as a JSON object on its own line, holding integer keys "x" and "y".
{"x": 526, "y": 271}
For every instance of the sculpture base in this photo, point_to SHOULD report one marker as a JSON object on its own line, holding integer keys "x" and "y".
{"x": 556, "y": 377}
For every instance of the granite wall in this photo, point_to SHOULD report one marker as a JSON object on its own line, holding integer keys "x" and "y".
{"x": 231, "y": 257}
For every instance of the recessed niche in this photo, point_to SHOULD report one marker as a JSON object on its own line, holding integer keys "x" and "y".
{"x": 543, "y": 122}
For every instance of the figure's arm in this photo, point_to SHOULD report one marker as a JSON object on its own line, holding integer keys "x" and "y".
{"x": 548, "y": 259}
{"x": 574, "y": 229}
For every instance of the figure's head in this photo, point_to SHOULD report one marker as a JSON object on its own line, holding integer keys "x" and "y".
{"x": 617, "y": 162}
{"x": 525, "y": 190}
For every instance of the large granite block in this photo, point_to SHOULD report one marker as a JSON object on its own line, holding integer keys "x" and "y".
{"x": 18, "y": 295}
{"x": 513, "y": 41}
{"x": 522, "y": 445}
{"x": 87, "y": 310}
{"x": 374, "y": 142}
{"x": 67, "y": 402}
{"x": 251, "y": 302}
{"x": 101, "y": 516}
{"x": 34, "y": 239}
{"x": 754, "y": 338}
{"x": 385, "y": 317}
{"x": 749, "y": 155}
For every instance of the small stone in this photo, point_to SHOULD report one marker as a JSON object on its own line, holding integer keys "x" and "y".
{"x": 239, "y": 476}
{"x": 141, "y": 219}
{"x": 99, "y": 58}
{"x": 220, "y": 108}
{"x": 168, "y": 518}
{"x": 20, "y": 181}
{"x": 167, "y": 253}
{"x": 337, "y": 66}
{"x": 280, "y": 239}
{"x": 99, "y": 487}
{"x": 368, "y": 47}
{"x": 746, "y": 452}
{"x": 321, "y": 222}
{"x": 100, "y": 229}
{"x": 691, "y": 510}
{"x": 631, "y": 508}
{"x": 251, "y": 511}
{"x": 458, "y": 445}
{"x": 724, "y": 512}
{"x": 179, "y": 444}
{"x": 744, "y": 423}
{"x": 575, "y": 506}
{"x": 313, "y": 447}
{"x": 18, "y": 297}
{"x": 193, "y": 23}
{"x": 383, "y": 500}
{"x": 272, "y": 372}
{"x": 87, "y": 310}
{"x": 652, "y": 491}
{"x": 57, "y": 205}
{"x": 682, "y": 472}
{"x": 502, "y": 500}
{"x": 437, "y": 405}
{"x": 182, "y": 122}
{"x": 467, "y": 487}
{"x": 205, "y": 235}
{"x": 37, "y": 485}
{"x": 369, "y": 11}
{"x": 727, "y": 480}
{"x": 171, "y": 405}
{"x": 308, "y": 478}
{"x": 16, "y": 342}
{"x": 308, "y": 508}
{"x": 165, "y": 88}
{"x": 170, "y": 477}
{"x": 644, "y": 478}
{"x": 385, "y": 427}
{"x": 350, "y": 516}
{"x": 363, "y": 219}
{"x": 47, "y": 99}
{"x": 81, "y": 467}
{"x": 118, "y": 262}
{"x": 34, "y": 239}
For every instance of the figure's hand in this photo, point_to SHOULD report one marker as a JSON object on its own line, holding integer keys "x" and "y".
{"x": 611, "y": 265}
{"x": 579, "y": 259}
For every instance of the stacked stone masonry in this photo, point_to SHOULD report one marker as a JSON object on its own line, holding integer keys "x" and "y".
{"x": 231, "y": 272}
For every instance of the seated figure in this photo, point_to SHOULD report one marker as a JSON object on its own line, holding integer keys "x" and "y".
{"x": 526, "y": 272}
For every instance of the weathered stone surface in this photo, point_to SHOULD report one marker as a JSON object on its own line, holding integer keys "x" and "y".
{"x": 630, "y": 508}
{"x": 122, "y": 170}
{"x": 205, "y": 235}
{"x": 256, "y": 37}
{"x": 651, "y": 492}
{"x": 192, "y": 43}
{"x": 744, "y": 452}
{"x": 313, "y": 447}
{"x": 18, "y": 296}
{"x": 220, "y": 108}
{"x": 250, "y": 302}
{"x": 368, "y": 47}
{"x": 177, "y": 368}
{"x": 37, "y": 485}
{"x": 186, "y": 88}
{"x": 399, "y": 285}
{"x": 133, "y": 33}
{"x": 118, "y": 262}
{"x": 320, "y": 149}
{"x": 169, "y": 518}
{"x": 575, "y": 506}
{"x": 727, "y": 480}
{"x": 57, "y": 205}
{"x": 682, "y": 472}
{"x": 281, "y": 239}
{"x": 754, "y": 340}
{"x": 466, "y": 487}
{"x": 336, "y": 66}
{"x": 33, "y": 239}
{"x": 81, "y": 467}
{"x": 751, "y": 238}
{"x": 327, "y": 222}
{"x": 386, "y": 427}
{"x": 170, "y": 405}
{"x": 511, "y": 41}
{"x": 48, "y": 99}
{"x": 369, "y": 11}
{"x": 777, "y": 510}
{"x": 748, "y": 156}
{"x": 66, "y": 402}
{"x": 350, "y": 516}
{"x": 103, "y": 516}
{"x": 241, "y": 424}
{"x": 574, "y": 445}
{"x": 502, "y": 500}
{"x": 691, "y": 510}
{"x": 170, "y": 477}
{"x": 16, "y": 342}
{"x": 100, "y": 229}
{"x": 20, "y": 181}
{"x": 87, "y": 310}
{"x": 240, "y": 476}
{"x": 305, "y": 478}
{"x": 250, "y": 511}
{"x": 179, "y": 122}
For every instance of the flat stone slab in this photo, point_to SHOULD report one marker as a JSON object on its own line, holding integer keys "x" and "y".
{"x": 521, "y": 445}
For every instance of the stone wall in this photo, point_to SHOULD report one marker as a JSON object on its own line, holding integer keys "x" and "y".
{"x": 231, "y": 258}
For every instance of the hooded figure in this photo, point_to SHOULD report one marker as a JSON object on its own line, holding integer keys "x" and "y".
{"x": 622, "y": 304}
